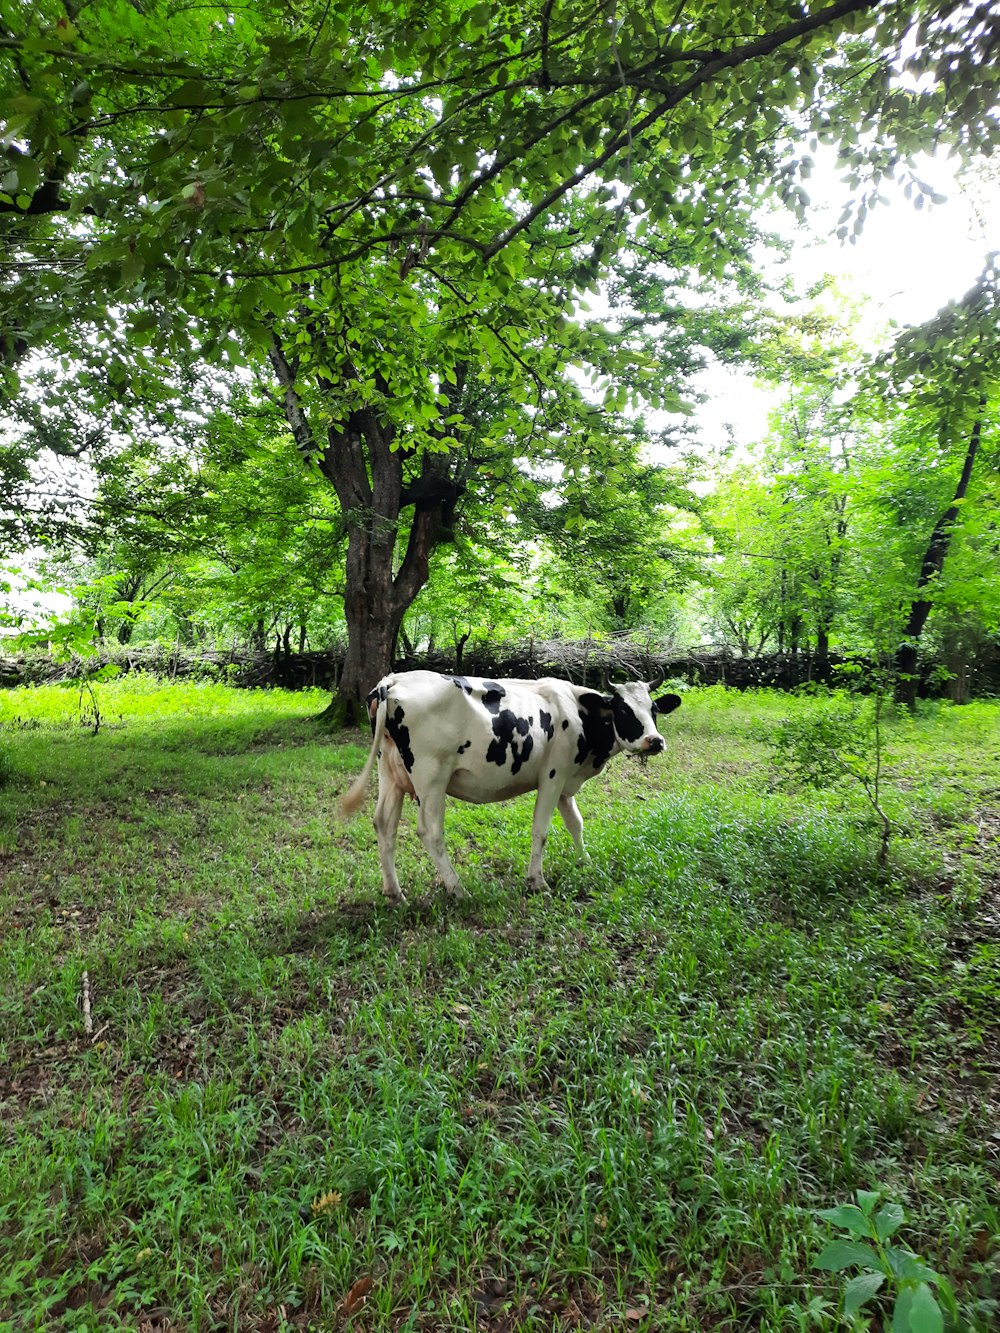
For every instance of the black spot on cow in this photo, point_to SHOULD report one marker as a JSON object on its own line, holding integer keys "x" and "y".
{"x": 628, "y": 726}
{"x": 545, "y": 722}
{"x": 461, "y": 682}
{"x": 492, "y": 694}
{"x": 597, "y": 739}
{"x": 552, "y": 772}
{"x": 462, "y": 748}
{"x": 379, "y": 693}
{"x": 507, "y": 728}
{"x": 565, "y": 723}
{"x": 401, "y": 737}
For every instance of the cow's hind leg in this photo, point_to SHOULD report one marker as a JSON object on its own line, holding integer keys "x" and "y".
{"x": 430, "y": 827}
{"x": 573, "y": 820}
{"x": 387, "y": 811}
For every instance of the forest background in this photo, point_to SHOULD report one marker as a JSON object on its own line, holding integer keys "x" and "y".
{"x": 383, "y": 332}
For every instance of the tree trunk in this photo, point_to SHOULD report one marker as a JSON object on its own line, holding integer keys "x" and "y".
{"x": 460, "y": 649}
{"x": 375, "y": 602}
{"x": 373, "y": 619}
{"x": 794, "y": 630}
{"x": 823, "y": 643}
{"x": 930, "y": 570}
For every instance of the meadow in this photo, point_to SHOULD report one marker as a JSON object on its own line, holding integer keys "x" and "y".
{"x": 622, "y": 1104}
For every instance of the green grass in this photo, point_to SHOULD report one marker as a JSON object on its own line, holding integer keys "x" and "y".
{"x": 617, "y": 1105}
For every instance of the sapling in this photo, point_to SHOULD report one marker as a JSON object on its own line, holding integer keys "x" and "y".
{"x": 891, "y": 1268}
{"x": 842, "y": 741}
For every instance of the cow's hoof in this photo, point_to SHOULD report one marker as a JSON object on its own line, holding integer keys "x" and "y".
{"x": 453, "y": 890}
{"x": 537, "y": 885}
{"x": 395, "y": 899}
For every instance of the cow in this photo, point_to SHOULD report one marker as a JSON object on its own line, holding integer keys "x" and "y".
{"x": 489, "y": 740}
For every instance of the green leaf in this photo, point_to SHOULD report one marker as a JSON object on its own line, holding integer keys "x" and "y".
{"x": 860, "y": 1289}
{"x": 193, "y": 92}
{"x": 905, "y": 1264}
{"x": 925, "y": 1314}
{"x": 888, "y": 1219}
{"x": 843, "y": 1253}
{"x": 867, "y": 1199}
{"x": 850, "y": 1218}
{"x": 479, "y": 17}
{"x": 901, "y": 1311}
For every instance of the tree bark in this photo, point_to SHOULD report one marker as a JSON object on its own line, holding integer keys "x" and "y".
{"x": 930, "y": 570}
{"x": 822, "y": 655}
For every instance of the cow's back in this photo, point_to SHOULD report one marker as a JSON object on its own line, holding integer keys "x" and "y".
{"x": 486, "y": 740}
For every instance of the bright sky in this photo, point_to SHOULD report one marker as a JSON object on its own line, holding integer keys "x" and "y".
{"x": 907, "y": 262}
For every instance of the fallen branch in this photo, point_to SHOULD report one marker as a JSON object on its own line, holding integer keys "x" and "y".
{"x": 88, "y": 1022}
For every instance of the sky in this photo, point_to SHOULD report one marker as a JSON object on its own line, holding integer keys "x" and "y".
{"x": 907, "y": 262}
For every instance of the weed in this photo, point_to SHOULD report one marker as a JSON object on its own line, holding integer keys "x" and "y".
{"x": 896, "y": 1268}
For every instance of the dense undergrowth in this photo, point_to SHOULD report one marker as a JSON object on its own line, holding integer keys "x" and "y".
{"x": 619, "y": 1104}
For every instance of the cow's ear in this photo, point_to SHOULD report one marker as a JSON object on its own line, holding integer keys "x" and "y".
{"x": 666, "y": 703}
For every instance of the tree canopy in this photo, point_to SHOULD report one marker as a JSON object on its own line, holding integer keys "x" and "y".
{"x": 387, "y": 220}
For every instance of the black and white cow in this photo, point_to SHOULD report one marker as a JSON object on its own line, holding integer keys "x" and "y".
{"x": 489, "y": 740}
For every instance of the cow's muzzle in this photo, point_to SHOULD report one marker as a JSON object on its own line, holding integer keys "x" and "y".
{"x": 654, "y": 744}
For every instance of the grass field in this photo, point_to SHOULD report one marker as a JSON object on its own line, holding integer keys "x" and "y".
{"x": 619, "y": 1105}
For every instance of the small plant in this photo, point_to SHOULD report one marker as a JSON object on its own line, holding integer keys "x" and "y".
{"x": 895, "y": 1267}
{"x": 839, "y": 742}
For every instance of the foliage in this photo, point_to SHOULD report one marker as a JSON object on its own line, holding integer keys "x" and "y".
{"x": 908, "y": 1278}
{"x": 392, "y": 225}
{"x": 867, "y": 514}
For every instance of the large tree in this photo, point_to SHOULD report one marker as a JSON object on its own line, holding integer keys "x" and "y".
{"x": 387, "y": 206}
{"x": 940, "y": 388}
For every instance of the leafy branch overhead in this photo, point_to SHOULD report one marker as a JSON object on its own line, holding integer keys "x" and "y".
{"x": 463, "y": 129}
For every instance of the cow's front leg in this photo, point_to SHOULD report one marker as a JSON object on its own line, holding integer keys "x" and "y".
{"x": 387, "y": 811}
{"x": 430, "y": 827}
{"x": 573, "y": 820}
{"x": 545, "y": 804}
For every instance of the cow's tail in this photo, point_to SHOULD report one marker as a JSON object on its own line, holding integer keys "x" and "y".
{"x": 353, "y": 798}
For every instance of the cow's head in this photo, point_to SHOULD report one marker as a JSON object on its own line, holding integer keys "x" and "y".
{"x": 634, "y": 712}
